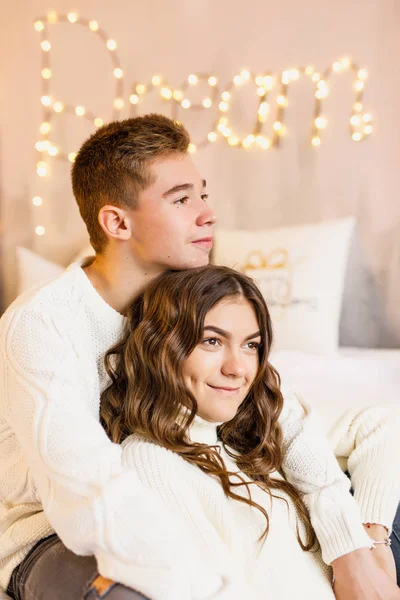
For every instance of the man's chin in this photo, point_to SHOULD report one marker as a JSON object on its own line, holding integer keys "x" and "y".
{"x": 192, "y": 263}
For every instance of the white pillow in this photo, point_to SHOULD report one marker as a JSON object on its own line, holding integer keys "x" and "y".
{"x": 33, "y": 269}
{"x": 300, "y": 271}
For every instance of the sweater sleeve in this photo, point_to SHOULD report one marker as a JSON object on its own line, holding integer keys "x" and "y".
{"x": 310, "y": 465}
{"x": 97, "y": 505}
{"x": 369, "y": 440}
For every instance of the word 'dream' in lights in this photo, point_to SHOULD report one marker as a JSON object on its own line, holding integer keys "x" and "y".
{"x": 178, "y": 98}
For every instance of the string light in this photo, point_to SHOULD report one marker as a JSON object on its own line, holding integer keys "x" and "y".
{"x": 37, "y": 201}
{"x": 156, "y": 80}
{"x": 361, "y": 124}
{"x": 40, "y": 230}
{"x": 45, "y": 128}
{"x": 58, "y": 107}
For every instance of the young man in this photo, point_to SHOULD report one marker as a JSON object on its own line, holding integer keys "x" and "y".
{"x": 145, "y": 208}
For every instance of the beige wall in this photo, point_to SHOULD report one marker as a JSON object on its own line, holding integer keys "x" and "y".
{"x": 259, "y": 189}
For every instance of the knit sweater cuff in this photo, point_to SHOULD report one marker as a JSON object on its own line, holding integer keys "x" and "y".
{"x": 340, "y": 535}
{"x": 378, "y": 500}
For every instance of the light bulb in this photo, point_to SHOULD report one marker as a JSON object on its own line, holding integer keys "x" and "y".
{"x": 166, "y": 93}
{"x": 156, "y": 80}
{"x": 40, "y": 230}
{"x": 193, "y": 79}
{"x": 72, "y": 17}
{"x": 223, "y": 106}
{"x": 93, "y": 26}
{"x": 185, "y": 103}
{"x": 80, "y": 111}
{"x": 356, "y": 136}
{"x": 226, "y": 96}
{"x": 45, "y": 128}
{"x": 46, "y": 100}
{"x": 38, "y": 25}
{"x": 212, "y": 81}
{"x": 316, "y": 141}
{"x": 141, "y": 88}
{"x": 45, "y": 45}
{"x": 118, "y": 73}
{"x": 367, "y": 117}
{"x": 178, "y": 95}
{"x": 58, "y": 107}
{"x": 320, "y": 122}
{"x": 37, "y": 201}
{"x": 192, "y": 148}
{"x": 237, "y": 80}
{"x": 212, "y": 136}
{"x": 41, "y": 169}
{"x": 207, "y": 102}
{"x": 46, "y": 73}
{"x": 118, "y": 103}
{"x": 98, "y": 122}
{"x": 72, "y": 156}
{"x": 53, "y": 151}
{"x": 111, "y": 44}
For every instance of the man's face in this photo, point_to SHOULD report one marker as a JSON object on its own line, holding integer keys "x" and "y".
{"x": 172, "y": 227}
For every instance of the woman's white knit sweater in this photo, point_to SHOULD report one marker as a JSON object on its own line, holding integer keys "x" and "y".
{"x": 227, "y": 531}
{"x": 59, "y": 472}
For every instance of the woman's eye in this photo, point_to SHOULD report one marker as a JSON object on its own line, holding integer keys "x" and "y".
{"x": 253, "y": 345}
{"x": 181, "y": 200}
{"x": 213, "y": 342}
{"x": 204, "y": 197}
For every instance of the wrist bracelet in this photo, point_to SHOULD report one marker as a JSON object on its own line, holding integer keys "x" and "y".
{"x": 387, "y": 542}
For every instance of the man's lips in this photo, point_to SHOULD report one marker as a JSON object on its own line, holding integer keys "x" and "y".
{"x": 205, "y": 242}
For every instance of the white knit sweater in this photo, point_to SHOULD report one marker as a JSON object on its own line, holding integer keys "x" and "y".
{"x": 227, "y": 531}
{"x": 59, "y": 472}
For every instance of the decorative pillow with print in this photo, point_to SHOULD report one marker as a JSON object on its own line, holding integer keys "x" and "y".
{"x": 300, "y": 271}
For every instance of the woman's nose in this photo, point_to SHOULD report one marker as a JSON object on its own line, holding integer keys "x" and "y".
{"x": 233, "y": 366}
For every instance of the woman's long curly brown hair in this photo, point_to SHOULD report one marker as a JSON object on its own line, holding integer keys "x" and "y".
{"x": 147, "y": 390}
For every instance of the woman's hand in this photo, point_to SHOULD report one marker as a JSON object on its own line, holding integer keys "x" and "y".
{"x": 358, "y": 577}
{"x": 382, "y": 554}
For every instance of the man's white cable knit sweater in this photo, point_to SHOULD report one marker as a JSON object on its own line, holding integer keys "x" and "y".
{"x": 59, "y": 472}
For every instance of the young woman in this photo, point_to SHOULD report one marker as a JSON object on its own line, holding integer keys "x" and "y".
{"x": 198, "y": 409}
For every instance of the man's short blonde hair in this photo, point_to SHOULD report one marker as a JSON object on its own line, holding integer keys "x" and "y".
{"x": 113, "y": 165}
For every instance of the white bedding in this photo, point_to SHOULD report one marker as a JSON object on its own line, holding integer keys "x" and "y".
{"x": 354, "y": 378}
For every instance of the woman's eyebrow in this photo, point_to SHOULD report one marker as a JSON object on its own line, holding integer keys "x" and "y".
{"x": 227, "y": 335}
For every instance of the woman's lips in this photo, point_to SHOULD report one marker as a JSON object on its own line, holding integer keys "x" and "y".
{"x": 227, "y": 390}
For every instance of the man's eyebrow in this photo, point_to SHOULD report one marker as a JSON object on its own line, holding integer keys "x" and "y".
{"x": 181, "y": 188}
{"x": 227, "y": 335}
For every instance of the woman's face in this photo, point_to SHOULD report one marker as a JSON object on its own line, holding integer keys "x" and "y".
{"x": 221, "y": 369}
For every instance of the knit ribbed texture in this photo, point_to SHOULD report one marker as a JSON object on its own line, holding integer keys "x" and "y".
{"x": 226, "y": 531}
{"x": 55, "y": 455}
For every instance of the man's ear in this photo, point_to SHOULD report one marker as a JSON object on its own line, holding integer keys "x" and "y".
{"x": 115, "y": 222}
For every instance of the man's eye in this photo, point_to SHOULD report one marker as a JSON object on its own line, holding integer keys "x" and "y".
{"x": 182, "y": 200}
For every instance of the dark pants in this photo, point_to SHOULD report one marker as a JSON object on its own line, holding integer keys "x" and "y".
{"x": 52, "y": 572}
{"x": 395, "y": 537}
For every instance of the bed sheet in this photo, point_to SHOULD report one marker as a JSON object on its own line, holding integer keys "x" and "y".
{"x": 353, "y": 378}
